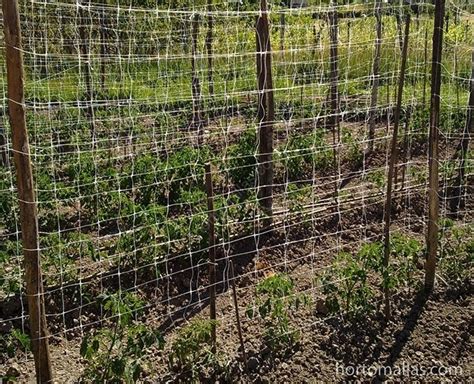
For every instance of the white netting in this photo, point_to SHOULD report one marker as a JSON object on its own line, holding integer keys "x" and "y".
{"x": 125, "y": 106}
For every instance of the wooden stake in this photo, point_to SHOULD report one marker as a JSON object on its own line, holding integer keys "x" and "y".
{"x": 457, "y": 191}
{"x": 103, "y": 49}
{"x": 433, "y": 187}
{"x": 393, "y": 161}
{"x": 265, "y": 115}
{"x": 197, "y": 123}
{"x": 388, "y": 99}
{"x": 209, "y": 38}
{"x": 375, "y": 76}
{"x": 26, "y": 192}
{"x": 425, "y": 60}
{"x": 4, "y": 155}
{"x": 398, "y": 18}
{"x": 406, "y": 139}
{"x": 334, "y": 93}
{"x": 212, "y": 253}
{"x": 87, "y": 68}
{"x": 237, "y": 315}
{"x": 282, "y": 34}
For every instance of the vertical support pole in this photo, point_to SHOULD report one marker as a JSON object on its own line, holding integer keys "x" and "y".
{"x": 334, "y": 93}
{"x": 103, "y": 49}
{"x": 4, "y": 155}
{"x": 457, "y": 190}
{"x": 447, "y": 22}
{"x": 406, "y": 140}
{"x": 433, "y": 187}
{"x": 26, "y": 192}
{"x": 265, "y": 114}
{"x": 237, "y": 314}
{"x": 87, "y": 68}
{"x": 425, "y": 60}
{"x": 456, "y": 67}
{"x": 317, "y": 37}
{"x": 391, "y": 169}
{"x": 375, "y": 76}
{"x": 389, "y": 107}
{"x": 282, "y": 33}
{"x": 197, "y": 123}
{"x": 212, "y": 254}
{"x": 209, "y": 38}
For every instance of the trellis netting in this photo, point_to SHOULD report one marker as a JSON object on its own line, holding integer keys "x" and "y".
{"x": 127, "y": 101}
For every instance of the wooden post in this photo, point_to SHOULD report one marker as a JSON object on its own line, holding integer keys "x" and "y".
{"x": 237, "y": 315}
{"x": 433, "y": 187}
{"x": 26, "y": 192}
{"x": 87, "y": 68}
{"x": 425, "y": 60}
{"x": 457, "y": 190}
{"x": 447, "y": 22}
{"x": 334, "y": 93}
{"x": 103, "y": 49}
{"x": 406, "y": 139}
{"x": 388, "y": 100}
{"x": 4, "y": 155}
{"x": 393, "y": 161}
{"x": 209, "y": 37}
{"x": 197, "y": 123}
{"x": 212, "y": 253}
{"x": 398, "y": 18}
{"x": 375, "y": 76}
{"x": 456, "y": 70}
{"x": 282, "y": 34}
{"x": 265, "y": 114}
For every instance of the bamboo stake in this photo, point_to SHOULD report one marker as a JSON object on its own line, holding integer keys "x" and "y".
{"x": 432, "y": 236}
{"x": 265, "y": 114}
{"x": 375, "y": 76}
{"x": 212, "y": 253}
{"x": 393, "y": 161}
{"x": 26, "y": 192}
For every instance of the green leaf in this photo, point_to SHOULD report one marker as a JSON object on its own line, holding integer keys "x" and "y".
{"x": 84, "y": 347}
